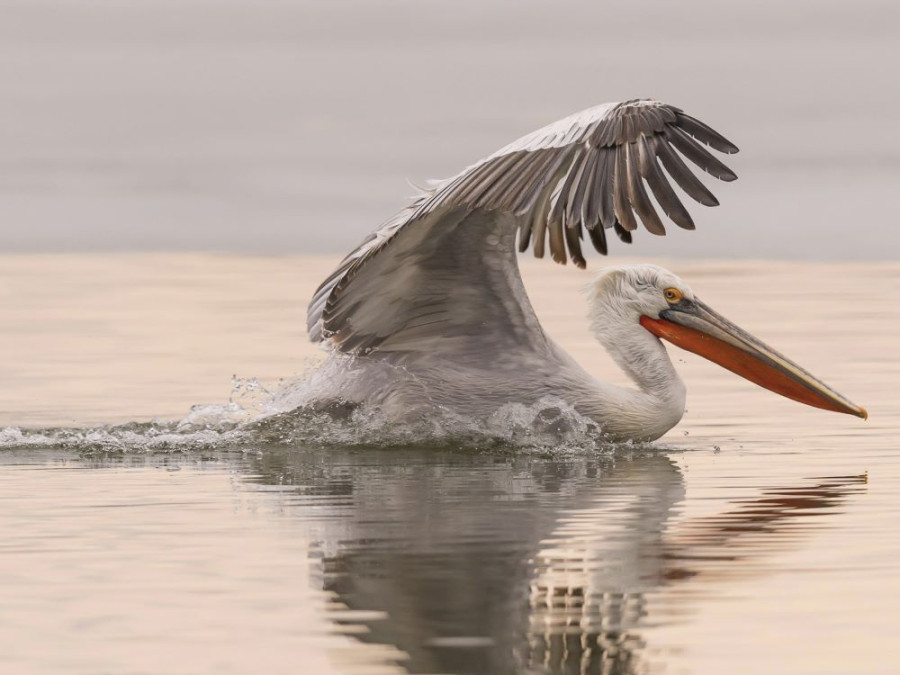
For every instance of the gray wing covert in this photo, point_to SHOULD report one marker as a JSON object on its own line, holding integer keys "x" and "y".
{"x": 433, "y": 269}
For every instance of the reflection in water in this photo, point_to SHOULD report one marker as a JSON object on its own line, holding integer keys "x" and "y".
{"x": 589, "y": 593}
{"x": 593, "y": 571}
{"x": 473, "y": 563}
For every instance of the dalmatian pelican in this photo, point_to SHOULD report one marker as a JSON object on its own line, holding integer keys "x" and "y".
{"x": 430, "y": 312}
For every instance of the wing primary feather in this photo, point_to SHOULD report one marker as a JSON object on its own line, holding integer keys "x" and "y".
{"x": 699, "y": 155}
{"x": 555, "y": 223}
{"x": 577, "y": 195}
{"x": 539, "y": 235}
{"x": 559, "y": 200}
{"x": 629, "y": 128}
{"x": 660, "y": 187}
{"x": 541, "y": 212}
{"x": 590, "y": 203}
{"x": 542, "y": 186}
{"x": 705, "y": 134}
{"x": 617, "y": 131}
{"x": 557, "y": 241}
{"x": 545, "y": 197}
{"x": 539, "y": 221}
{"x": 572, "y": 241}
{"x": 637, "y": 195}
{"x": 624, "y": 214}
{"x": 604, "y": 180}
{"x": 532, "y": 174}
{"x": 598, "y": 238}
{"x": 624, "y": 234}
{"x": 524, "y": 235}
{"x": 683, "y": 176}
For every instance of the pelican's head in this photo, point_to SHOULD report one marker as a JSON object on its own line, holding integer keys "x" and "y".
{"x": 666, "y": 306}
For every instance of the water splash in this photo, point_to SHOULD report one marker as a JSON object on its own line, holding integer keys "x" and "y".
{"x": 288, "y": 415}
{"x": 131, "y": 437}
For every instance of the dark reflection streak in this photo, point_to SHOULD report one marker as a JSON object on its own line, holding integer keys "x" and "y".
{"x": 520, "y": 564}
{"x": 777, "y": 508}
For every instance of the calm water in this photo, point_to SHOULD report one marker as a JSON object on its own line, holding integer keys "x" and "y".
{"x": 758, "y": 536}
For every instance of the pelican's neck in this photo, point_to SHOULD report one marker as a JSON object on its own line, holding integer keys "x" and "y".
{"x": 644, "y": 359}
{"x": 658, "y": 403}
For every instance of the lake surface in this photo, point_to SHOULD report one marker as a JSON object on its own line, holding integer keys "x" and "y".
{"x": 757, "y": 536}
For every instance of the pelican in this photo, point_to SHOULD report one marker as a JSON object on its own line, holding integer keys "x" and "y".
{"x": 429, "y": 312}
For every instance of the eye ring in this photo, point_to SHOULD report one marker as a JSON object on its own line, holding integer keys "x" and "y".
{"x": 672, "y": 295}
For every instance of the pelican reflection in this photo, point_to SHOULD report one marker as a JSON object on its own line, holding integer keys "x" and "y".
{"x": 478, "y": 563}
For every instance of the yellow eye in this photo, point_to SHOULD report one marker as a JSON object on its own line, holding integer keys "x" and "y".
{"x": 673, "y": 295}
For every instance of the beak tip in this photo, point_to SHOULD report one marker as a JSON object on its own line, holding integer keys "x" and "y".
{"x": 863, "y": 413}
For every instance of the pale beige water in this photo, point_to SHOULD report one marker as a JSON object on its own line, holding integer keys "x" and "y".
{"x": 760, "y": 537}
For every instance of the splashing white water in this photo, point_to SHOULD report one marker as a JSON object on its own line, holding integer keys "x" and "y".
{"x": 257, "y": 416}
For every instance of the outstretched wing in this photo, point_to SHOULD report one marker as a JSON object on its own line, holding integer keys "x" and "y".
{"x": 445, "y": 267}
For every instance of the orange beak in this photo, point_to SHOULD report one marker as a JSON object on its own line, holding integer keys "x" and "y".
{"x": 692, "y": 325}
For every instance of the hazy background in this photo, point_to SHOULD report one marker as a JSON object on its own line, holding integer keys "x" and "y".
{"x": 291, "y": 126}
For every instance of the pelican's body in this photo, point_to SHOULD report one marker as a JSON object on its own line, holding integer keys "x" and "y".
{"x": 433, "y": 314}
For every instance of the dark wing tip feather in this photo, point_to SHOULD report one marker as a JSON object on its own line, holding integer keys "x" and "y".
{"x": 573, "y": 242}
{"x": 705, "y": 134}
{"x": 622, "y": 233}
{"x": 598, "y": 239}
{"x": 699, "y": 155}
